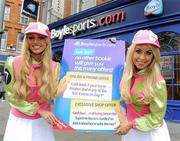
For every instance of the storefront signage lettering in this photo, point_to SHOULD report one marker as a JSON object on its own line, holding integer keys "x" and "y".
{"x": 88, "y": 24}
{"x": 73, "y": 29}
{"x": 111, "y": 19}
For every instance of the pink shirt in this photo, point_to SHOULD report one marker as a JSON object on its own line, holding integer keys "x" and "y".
{"x": 33, "y": 95}
{"x": 135, "y": 110}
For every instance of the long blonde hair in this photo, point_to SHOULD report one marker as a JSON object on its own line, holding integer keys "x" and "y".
{"x": 22, "y": 86}
{"x": 152, "y": 73}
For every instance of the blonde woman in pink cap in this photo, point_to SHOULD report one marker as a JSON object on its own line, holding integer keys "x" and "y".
{"x": 143, "y": 90}
{"x": 32, "y": 82}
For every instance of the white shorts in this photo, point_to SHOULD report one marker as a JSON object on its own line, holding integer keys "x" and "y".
{"x": 160, "y": 134}
{"x": 19, "y": 129}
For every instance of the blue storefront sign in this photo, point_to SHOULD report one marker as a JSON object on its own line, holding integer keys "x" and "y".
{"x": 30, "y": 8}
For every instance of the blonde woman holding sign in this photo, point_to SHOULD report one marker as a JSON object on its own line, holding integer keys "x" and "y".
{"x": 32, "y": 82}
{"x": 144, "y": 91}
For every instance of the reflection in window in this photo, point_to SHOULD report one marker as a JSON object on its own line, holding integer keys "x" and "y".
{"x": 170, "y": 41}
{"x": 170, "y": 64}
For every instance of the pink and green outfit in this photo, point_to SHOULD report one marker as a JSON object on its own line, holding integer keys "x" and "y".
{"x": 31, "y": 127}
{"x": 147, "y": 119}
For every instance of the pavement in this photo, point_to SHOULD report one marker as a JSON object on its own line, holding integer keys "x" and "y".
{"x": 174, "y": 129}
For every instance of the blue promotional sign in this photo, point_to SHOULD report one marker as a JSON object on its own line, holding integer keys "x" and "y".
{"x": 94, "y": 67}
{"x": 30, "y": 8}
{"x": 154, "y": 7}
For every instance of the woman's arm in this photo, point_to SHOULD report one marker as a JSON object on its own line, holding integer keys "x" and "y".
{"x": 28, "y": 108}
{"x": 124, "y": 126}
{"x": 154, "y": 119}
{"x": 62, "y": 84}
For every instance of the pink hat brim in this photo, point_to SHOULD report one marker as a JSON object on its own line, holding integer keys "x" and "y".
{"x": 147, "y": 42}
{"x": 38, "y": 32}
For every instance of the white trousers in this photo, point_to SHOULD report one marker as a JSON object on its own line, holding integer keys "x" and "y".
{"x": 160, "y": 134}
{"x": 19, "y": 129}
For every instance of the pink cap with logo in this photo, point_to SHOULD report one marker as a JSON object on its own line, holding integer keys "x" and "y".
{"x": 146, "y": 37}
{"x": 39, "y": 28}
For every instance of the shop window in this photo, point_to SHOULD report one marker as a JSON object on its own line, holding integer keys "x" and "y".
{"x": 170, "y": 41}
{"x": 170, "y": 62}
{"x": 7, "y": 13}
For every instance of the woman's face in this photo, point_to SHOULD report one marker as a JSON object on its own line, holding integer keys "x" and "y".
{"x": 37, "y": 43}
{"x": 142, "y": 56}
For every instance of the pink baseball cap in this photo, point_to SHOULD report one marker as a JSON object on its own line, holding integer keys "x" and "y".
{"x": 146, "y": 37}
{"x": 39, "y": 28}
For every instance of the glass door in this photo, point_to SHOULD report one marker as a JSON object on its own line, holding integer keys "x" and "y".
{"x": 170, "y": 62}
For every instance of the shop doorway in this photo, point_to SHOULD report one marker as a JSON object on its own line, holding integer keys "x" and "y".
{"x": 170, "y": 65}
{"x": 170, "y": 62}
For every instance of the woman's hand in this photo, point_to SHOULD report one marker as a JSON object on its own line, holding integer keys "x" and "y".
{"x": 62, "y": 85}
{"x": 121, "y": 114}
{"x": 113, "y": 39}
{"x": 123, "y": 128}
{"x": 48, "y": 116}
